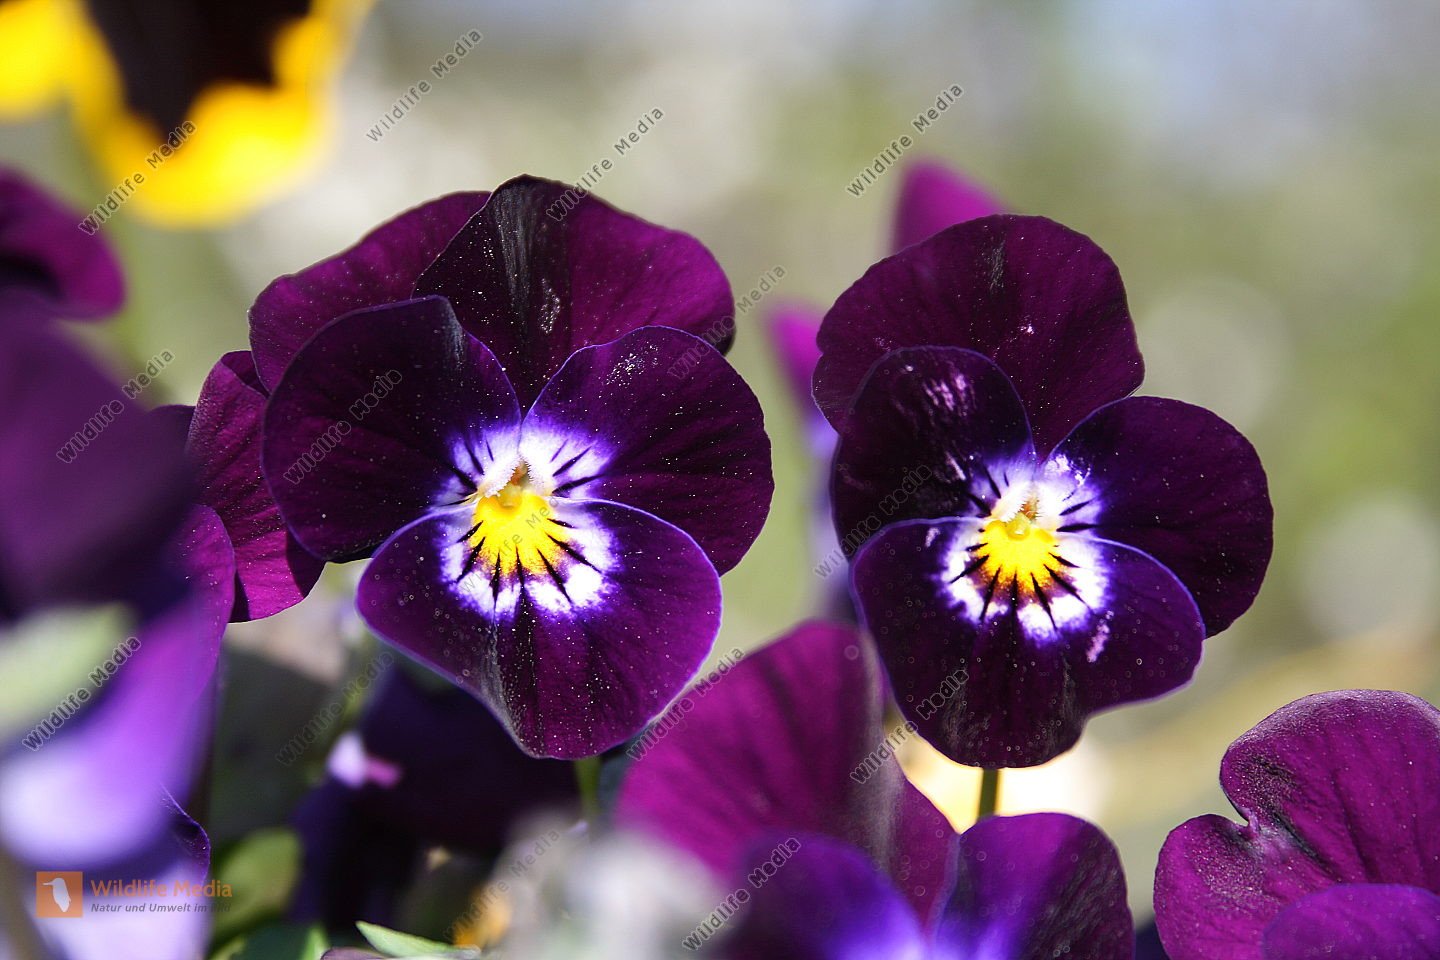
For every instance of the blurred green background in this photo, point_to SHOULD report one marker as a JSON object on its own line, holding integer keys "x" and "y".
{"x": 1264, "y": 175}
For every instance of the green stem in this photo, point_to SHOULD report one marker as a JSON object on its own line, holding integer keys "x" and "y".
{"x": 989, "y": 793}
{"x": 587, "y": 775}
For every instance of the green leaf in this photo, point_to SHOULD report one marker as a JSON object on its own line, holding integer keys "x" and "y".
{"x": 277, "y": 943}
{"x": 51, "y": 656}
{"x": 261, "y": 870}
{"x": 398, "y": 944}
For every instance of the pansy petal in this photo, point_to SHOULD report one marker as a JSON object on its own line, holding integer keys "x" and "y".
{"x": 384, "y": 414}
{"x": 45, "y": 252}
{"x": 933, "y": 197}
{"x": 658, "y": 420}
{"x": 1036, "y": 887}
{"x": 272, "y": 570}
{"x": 792, "y": 328}
{"x": 575, "y": 647}
{"x": 90, "y": 487}
{"x": 1339, "y": 787}
{"x": 381, "y": 268}
{"x": 823, "y": 901}
{"x": 1003, "y": 674}
{"x": 1358, "y": 922}
{"x": 736, "y": 763}
{"x": 1042, "y": 301}
{"x": 1179, "y": 483}
{"x": 536, "y": 277}
{"x": 936, "y": 432}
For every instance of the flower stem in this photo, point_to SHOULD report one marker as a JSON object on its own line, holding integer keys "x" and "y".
{"x": 989, "y": 793}
{"x": 587, "y": 776}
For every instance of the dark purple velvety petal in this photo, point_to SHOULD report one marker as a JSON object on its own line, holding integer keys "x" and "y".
{"x": 657, "y": 420}
{"x": 381, "y": 268}
{"x": 935, "y": 433}
{"x": 90, "y": 794}
{"x": 90, "y": 487}
{"x": 792, "y": 738}
{"x": 933, "y": 197}
{"x": 44, "y": 252}
{"x": 1358, "y": 922}
{"x": 272, "y": 570}
{"x": 1339, "y": 787}
{"x": 825, "y": 901}
{"x": 574, "y": 648}
{"x": 1037, "y": 887}
{"x": 542, "y": 272}
{"x": 383, "y": 415}
{"x": 996, "y": 673}
{"x": 1042, "y": 301}
{"x": 1179, "y": 483}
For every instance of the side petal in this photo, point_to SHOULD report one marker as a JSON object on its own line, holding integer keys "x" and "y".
{"x": 383, "y": 415}
{"x": 1042, "y": 301}
{"x": 731, "y": 761}
{"x": 44, "y": 251}
{"x": 1004, "y": 674}
{"x": 658, "y": 420}
{"x": 1036, "y": 887}
{"x": 1339, "y": 787}
{"x": 272, "y": 570}
{"x": 933, "y": 197}
{"x": 935, "y": 433}
{"x": 1179, "y": 483}
{"x": 825, "y": 901}
{"x": 1358, "y": 922}
{"x": 381, "y": 268}
{"x": 544, "y": 271}
{"x": 573, "y": 648}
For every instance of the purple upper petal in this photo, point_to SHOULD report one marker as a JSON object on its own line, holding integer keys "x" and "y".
{"x": 1037, "y": 887}
{"x": 1358, "y": 922}
{"x": 781, "y": 743}
{"x": 535, "y": 283}
{"x": 1180, "y": 484}
{"x": 1003, "y": 674}
{"x": 1042, "y": 301}
{"x": 272, "y": 570}
{"x": 1337, "y": 788}
{"x": 383, "y": 415}
{"x": 933, "y": 197}
{"x": 44, "y": 252}
{"x": 573, "y": 647}
{"x": 658, "y": 420}
{"x": 90, "y": 487}
{"x": 380, "y": 269}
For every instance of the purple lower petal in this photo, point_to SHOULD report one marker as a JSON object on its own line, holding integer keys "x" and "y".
{"x": 1042, "y": 301}
{"x": 1037, "y": 887}
{"x": 545, "y": 270}
{"x": 383, "y": 415}
{"x": 573, "y": 648}
{"x": 933, "y": 197}
{"x": 1358, "y": 922}
{"x": 657, "y": 420}
{"x": 1003, "y": 674}
{"x": 381, "y": 268}
{"x": 935, "y": 432}
{"x": 790, "y": 739}
{"x": 825, "y": 901}
{"x": 272, "y": 570}
{"x": 1339, "y": 787}
{"x": 1179, "y": 483}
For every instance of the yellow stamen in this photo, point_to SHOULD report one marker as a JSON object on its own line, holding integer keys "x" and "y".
{"x": 1018, "y": 550}
{"x": 515, "y": 527}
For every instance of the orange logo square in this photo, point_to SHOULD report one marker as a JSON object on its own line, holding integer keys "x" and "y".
{"x": 59, "y": 894}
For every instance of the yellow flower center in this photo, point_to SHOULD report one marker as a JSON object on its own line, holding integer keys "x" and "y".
{"x": 515, "y": 527}
{"x": 1018, "y": 552}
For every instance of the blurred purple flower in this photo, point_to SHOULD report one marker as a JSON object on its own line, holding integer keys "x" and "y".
{"x": 45, "y": 255}
{"x": 1052, "y": 546}
{"x": 553, "y": 473}
{"x": 1340, "y": 854}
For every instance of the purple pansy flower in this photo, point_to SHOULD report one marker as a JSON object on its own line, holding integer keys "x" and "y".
{"x": 789, "y": 752}
{"x": 1340, "y": 857}
{"x": 551, "y": 468}
{"x": 44, "y": 254}
{"x": 1032, "y": 540}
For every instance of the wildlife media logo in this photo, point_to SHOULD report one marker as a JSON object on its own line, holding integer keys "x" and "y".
{"x": 59, "y": 894}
